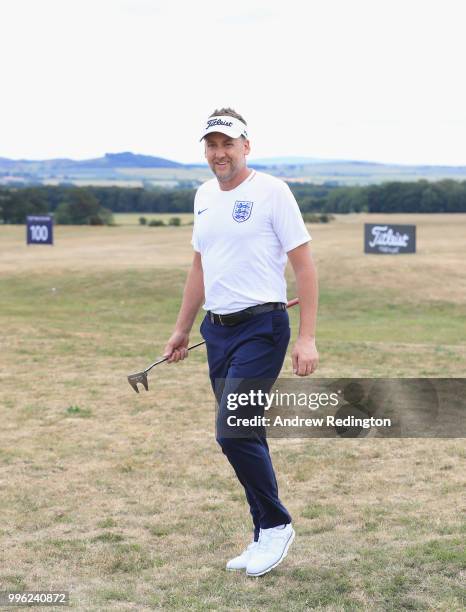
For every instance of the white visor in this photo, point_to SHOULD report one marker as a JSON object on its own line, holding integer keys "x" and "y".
{"x": 234, "y": 128}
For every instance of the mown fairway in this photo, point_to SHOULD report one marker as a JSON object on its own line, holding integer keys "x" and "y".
{"x": 126, "y": 501}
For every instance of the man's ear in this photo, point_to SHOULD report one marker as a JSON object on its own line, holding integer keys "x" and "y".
{"x": 247, "y": 146}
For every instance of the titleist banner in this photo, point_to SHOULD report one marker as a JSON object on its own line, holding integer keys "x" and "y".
{"x": 389, "y": 239}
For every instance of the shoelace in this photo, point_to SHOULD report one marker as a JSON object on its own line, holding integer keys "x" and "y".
{"x": 264, "y": 538}
{"x": 250, "y": 547}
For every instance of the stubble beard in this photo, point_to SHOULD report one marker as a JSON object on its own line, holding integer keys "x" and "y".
{"x": 234, "y": 169}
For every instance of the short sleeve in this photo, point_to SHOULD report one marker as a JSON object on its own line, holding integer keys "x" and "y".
{"x": 287, "y": 219}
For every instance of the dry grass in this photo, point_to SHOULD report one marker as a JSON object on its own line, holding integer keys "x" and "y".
{"x": 126, "y": 500}
{"x": 436, "y": 272}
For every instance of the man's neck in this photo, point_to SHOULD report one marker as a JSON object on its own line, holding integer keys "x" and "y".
{"x": 237, "y": 180}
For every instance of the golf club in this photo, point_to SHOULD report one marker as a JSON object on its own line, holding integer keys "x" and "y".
{"x": 141, "y": 377}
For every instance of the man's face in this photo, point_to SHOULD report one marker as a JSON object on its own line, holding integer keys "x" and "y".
{"x": 226, "y": 156}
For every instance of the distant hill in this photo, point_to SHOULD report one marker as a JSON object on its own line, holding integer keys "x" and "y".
{"x": 132, "y": 160}
{"x": 131, "y": 169}
{"x": 289, "y": 161}
{"x": 110, "y": 160}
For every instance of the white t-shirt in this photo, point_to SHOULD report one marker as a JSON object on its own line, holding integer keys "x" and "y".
{"x": 243, "y": 236}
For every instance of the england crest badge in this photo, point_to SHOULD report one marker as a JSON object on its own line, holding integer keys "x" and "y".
{"x": 242, "y": 210}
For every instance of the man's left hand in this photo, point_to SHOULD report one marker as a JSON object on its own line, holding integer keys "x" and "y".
{"x": 304, "y": 356}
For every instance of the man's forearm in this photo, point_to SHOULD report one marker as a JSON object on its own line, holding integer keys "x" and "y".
{"x": 308, "y": 290}
{"x": 193, "y": 297}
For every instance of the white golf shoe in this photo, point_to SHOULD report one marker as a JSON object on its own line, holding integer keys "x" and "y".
{"x": 273, "y": 548}
{"x": 241, "y": 561}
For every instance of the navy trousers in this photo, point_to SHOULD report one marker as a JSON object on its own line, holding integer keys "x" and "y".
{"x": 241, "y": 357}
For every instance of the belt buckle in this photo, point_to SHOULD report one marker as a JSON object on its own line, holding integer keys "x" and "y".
{"x": 220, "y": 319}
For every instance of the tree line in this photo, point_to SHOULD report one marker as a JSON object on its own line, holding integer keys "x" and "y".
{"x": 95, "y": 205}
{"x": 393, "y": 197}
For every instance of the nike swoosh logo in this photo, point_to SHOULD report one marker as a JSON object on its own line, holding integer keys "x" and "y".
{"x": 199, "y": 212}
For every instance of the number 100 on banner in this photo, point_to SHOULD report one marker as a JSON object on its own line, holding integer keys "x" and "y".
{"x": 39, "y": 230}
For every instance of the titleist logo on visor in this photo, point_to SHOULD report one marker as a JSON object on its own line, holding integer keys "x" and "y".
{"x": 211, "y": 122}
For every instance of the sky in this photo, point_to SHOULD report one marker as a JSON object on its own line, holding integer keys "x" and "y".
{"x": 379, "y": 80}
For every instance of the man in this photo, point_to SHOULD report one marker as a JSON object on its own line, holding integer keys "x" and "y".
{"x": 246, "y": 223}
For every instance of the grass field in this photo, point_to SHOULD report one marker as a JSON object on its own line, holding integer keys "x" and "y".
{"x": 126, "y": 501}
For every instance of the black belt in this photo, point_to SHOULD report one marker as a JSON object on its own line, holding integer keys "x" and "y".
{"x": 235, "y": 318}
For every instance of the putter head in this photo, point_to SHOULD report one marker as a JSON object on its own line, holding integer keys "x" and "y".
{"x": 139, "y": 377}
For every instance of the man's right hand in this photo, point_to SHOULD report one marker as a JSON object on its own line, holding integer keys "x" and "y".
{"x": 177, "y": 347}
